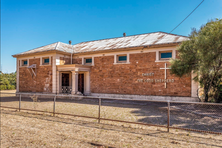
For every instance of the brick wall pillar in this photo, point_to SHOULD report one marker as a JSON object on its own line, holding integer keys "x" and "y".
{"x": 75, "y": 75}
{"x": 54, "y": 74}
{"x": 17, "y": 75}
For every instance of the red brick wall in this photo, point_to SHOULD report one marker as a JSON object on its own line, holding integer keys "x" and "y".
{"x": 122, "y": 78}
{"x": 77, "y": 61}
{"x": 67, "y": 60}
{"x": 41, "y": 83}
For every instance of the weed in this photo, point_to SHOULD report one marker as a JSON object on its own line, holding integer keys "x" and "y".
{"x": 35, "y": 101}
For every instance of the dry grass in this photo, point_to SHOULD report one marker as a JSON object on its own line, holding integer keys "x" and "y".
{"x": 8, "y": 91}
{"x": 29, "y": 129}
{"x": 21, "y": 129}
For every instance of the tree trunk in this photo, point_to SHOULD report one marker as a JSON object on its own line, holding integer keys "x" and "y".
{"x": 205, "y": 94}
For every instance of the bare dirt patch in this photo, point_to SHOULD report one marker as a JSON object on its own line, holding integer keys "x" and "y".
{"x": 22, "y": 129}
{"x": 181, "y": 115}
{"x": 8, "y": 91}
{"x": 31, "y": 129}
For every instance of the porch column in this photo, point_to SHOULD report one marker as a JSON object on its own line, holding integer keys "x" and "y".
{"x": 74, "y": 82}
{"x": 58, "y": 87}
{"x": 87, "y": 90}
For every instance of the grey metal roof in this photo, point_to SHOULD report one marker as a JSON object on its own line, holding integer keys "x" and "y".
{"x": 58, "y": 46}
{"x": 156, "y": 38}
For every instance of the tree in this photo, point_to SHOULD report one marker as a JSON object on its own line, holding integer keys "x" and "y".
{"x": 7, "y": 81}
{"x": 202, "y": 55}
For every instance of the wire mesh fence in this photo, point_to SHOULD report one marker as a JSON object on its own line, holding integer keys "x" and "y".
{"x": 200, "y": 117}
{"x": 196, "y": 116}
{"x": 34, "y": 102}
{"x": 10, "y": 100}
{"x": 77, "y": 106}
{"x": 135, "y": 111}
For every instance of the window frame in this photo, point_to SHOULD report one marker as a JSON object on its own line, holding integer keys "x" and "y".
{"x": 43, "y": 61}
{"x": 158, "y": 55}
{"x": 22, "y": 62}
{"x": 116, "y": 58}
{"x": 88, "y": 57}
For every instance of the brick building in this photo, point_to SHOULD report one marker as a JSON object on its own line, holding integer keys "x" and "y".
{"x": 134, "y": 67}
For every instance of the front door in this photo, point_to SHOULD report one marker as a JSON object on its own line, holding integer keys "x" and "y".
{"x": 81, "y": 83}
{"x": 65, "y": 83}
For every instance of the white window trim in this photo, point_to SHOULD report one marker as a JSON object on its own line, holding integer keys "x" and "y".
{"x": 127, "y": 59}
{"x": 164, "y": 60}
{"x": 83, "y": 60}
{"x": 21, "y": 64}
{"x": 50, "y": 62}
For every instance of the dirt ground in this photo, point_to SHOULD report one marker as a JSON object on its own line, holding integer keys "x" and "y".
{"x": 31, "y": 129}
{"x": 21, "y": 129}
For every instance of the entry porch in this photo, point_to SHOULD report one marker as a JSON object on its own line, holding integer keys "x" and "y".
{"x": 73, "y": 79}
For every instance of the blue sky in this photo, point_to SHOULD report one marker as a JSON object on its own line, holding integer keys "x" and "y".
{"x": 27, "y": 24}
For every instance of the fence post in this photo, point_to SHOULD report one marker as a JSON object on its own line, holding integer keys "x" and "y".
{"x": 54, "y": 106}
{"x": 20, "y": 98}
{"x": 99, "y": 110}
{"x": 168, "y": 117}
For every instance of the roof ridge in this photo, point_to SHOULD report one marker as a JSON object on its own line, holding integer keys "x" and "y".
{"x": 56, "y": 45}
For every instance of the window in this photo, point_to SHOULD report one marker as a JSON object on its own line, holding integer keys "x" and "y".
{"x": 45, "y": 61}
{"x": 88, "y": 61}
{"x": 165, "y": 55}
{"x": 24, "y": 62}
{"x": 121, "y": 58}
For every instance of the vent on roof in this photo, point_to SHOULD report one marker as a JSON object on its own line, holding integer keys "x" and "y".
{"x": 124, "y": 34}
{"x": 70, "y": 42}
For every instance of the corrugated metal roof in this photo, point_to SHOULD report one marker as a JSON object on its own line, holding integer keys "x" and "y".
{"x": 155, "y": 38}
{"x": 58, "y": 46}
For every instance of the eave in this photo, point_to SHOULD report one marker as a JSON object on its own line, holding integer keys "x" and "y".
{"x": 40, "y": 53}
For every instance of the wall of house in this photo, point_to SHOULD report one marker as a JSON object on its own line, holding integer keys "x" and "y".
{"x": 109, "y": 78}
{"x": 77, "y": 60}
{"x": 41, "y": 83}
{"x": 67, "y": 60}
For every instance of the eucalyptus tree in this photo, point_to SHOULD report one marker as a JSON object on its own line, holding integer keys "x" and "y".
{"x": 201, "y": 54}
